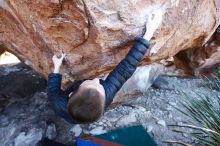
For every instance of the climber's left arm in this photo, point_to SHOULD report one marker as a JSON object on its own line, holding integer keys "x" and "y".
{"x": 58, "y": 99}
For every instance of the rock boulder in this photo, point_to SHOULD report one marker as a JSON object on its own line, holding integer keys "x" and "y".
{"x": 97, "y": 34}
{"x": 202, "y": 60}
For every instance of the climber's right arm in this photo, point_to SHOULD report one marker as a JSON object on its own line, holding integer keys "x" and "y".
{"x": 128, "y": 65}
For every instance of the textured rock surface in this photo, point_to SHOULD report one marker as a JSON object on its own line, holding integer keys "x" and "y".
{"x": 201, "y": 60}
{"x": 97, "y": 34}
{"x": 20, "y": 81}
{"x": 139, "y": 82}
{"x": 1, "y": 51}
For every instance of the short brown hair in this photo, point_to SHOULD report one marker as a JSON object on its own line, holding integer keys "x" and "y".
{"x": 86, "y": 105}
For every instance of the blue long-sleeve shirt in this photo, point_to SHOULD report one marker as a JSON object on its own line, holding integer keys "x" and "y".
{"x": 122, "y": 72}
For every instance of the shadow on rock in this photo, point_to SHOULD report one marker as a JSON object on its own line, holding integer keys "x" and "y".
{"x": 19, "y": 81}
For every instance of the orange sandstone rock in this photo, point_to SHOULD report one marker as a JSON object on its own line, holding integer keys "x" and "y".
{"x": 97, "y": 34}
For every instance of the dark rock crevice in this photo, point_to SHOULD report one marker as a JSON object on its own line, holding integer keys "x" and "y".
{"x": 19, "y": 81}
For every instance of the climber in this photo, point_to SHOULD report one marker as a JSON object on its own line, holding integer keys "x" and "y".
{"x": 85, "y": 100}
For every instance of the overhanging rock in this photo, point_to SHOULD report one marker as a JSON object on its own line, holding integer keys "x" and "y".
{"x": 97, "y": 34}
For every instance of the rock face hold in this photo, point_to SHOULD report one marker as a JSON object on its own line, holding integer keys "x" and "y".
{"x": 97, "y": 34}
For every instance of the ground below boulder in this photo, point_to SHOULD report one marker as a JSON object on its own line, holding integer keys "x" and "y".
{"x": 25, "y": 121}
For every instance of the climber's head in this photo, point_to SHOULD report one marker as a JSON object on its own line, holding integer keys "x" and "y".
{"x": 87, "y": 103}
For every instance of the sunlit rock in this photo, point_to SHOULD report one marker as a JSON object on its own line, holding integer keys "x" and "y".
{"x": 97, "y": 34}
